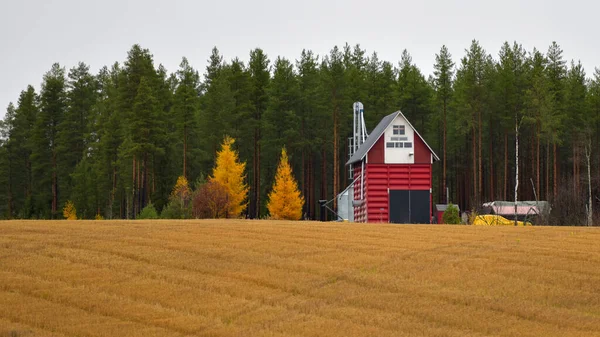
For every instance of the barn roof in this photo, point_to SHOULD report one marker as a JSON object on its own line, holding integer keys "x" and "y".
{"x": 376, "y": 134}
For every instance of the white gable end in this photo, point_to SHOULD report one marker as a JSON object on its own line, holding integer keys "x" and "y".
{"x": 399, "y": 142}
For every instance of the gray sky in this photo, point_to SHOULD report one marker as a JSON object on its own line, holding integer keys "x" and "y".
{"x": 36, "y": 33}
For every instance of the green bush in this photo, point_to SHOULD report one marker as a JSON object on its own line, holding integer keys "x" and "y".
{"x": 149, "y": 212}
{"x": 176, "y": 210}
{"x": 451, "y": 215}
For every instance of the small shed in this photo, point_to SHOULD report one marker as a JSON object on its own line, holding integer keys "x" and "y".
{"x": 393, "y": 174}
{"x": 526, "y": 210}
{"x": 440, "y": 209}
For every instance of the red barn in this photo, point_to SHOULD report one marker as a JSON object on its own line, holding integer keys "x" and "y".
{"x": 393, "y": 174}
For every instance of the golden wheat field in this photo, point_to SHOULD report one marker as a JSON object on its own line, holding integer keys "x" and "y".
{"x": 269, "y": 278}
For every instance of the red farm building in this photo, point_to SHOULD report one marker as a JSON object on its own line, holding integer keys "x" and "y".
{"x": 393, "y": 174}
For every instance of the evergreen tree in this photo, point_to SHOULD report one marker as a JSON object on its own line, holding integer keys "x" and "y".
{"x": 285, "y": 200}
{"x": 7, "y": 163}
{"x": 241, "y": 111}
{"x": 259, "y": 82}
{"x": 21, "y": 142}
{"x": 443, "y": 79}
{"x": 132, "y": 174}
{"x": 335, "y": 86}
{"x": 73, "y": 136}
{"x": 577, "y": 121}
{"x": 218, "y": 104}
{"x": 538, "y": 105}
{"x": 108, "y": 125}
{"x": 186, "y": 107}
{"x": 142, "y": 128}
{"x": 470, "y": 105}
{"x": 556, "y": 71}
{"x": 314, "y": 125}
{"x": 281, "y": 122}
{"x": 44, "y": 154}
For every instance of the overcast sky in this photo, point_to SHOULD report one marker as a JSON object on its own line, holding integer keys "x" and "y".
{"x": 36, "y": 33}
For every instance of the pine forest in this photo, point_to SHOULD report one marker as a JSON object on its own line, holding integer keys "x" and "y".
{"x": 134, "y": 134}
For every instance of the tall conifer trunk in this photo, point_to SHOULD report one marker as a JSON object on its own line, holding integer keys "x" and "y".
{"x": 491, "y": 156}
{"x": 323, "y": 180}
{"x": 547, "y": 163}
{"x": 444, "y": 196}
{"x": 504, "y": 194}
{"x": 480, "y": 171}
{"x": 335, "y": 157}
{"x": 537, "y": 163}
{"x": 555, "y": 175}
{"x": 474, "y": 155}
{"x": 54, "y": 187}
{"x": 184, "y": 151}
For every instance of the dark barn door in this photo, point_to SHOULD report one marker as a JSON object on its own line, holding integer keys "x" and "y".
{"x": 399, "y": 206}
{"x": 419, "y": 207}
{"x": 409, "y": 206}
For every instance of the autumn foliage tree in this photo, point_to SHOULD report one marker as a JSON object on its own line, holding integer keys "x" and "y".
{"x": 69, "y": 211}
{"x": 210, "y": 201}
{"x": 285, "y": 200}
{"x": 179, "y": 201}
{"x": 229, "y": 172}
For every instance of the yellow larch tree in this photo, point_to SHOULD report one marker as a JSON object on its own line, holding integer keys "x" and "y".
{"x": 285, "y": 200}
{"x": 229, "y": 172}
{"x": 69, "y": 211}
{"x": 181, "y": 190}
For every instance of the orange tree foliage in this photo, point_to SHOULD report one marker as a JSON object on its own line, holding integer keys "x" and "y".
{"x": 229, "y": 172}
{"x": 181, "y": 190}
{"x": 69, "y": 211}
{"x": 285, "y": 200}
{"x": 210, "y": 201}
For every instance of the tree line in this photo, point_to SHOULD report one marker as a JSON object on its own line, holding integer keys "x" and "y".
{"x": 114, "y": 141}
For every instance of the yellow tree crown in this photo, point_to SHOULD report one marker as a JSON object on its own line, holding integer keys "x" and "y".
{"x": 69, "y": 211}
{"x": 181, "y": 189}
{"x": 229, "y": 172}
{"x": 285, "y": 200}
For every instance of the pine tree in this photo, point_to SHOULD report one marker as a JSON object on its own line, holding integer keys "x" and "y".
{"x": 335, "y": 85}
{"x": 238, "y": 77}
{"x": 259, "y": 82}
{"x": 577, "y": 120}
{"x": 470, "y": 105}
{"x": 21, "y": 140}
{"x": 229, "y": 172}
{"x": 44, "y": 155}
{"x": 511, "y": 86}
{"x": 217, "y": 106}
{"x": 538, "y": 106}
{"x": 73, "y": 136}
{"x": 142, "y": 129}
{"x": 7, "y": 163}
{"x": 443, "y": 79}
{"x": 108, "y": 125}
{"x": 315, "y": 125}
{"x": 186, "y": 107}
{"x": 556, "y": 71}
{"x": 281, "y": 122}
{"x": 285, "y": 200}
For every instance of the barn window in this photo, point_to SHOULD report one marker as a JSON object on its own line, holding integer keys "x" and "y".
{"x": 407, "y": 145}
{"x": 399, "y": 145}
{"x": 388, "y": 145}
{"x": 399, "y": 130}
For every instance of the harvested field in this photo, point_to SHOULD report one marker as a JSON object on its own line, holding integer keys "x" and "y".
{"x": 270, "y": 278}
